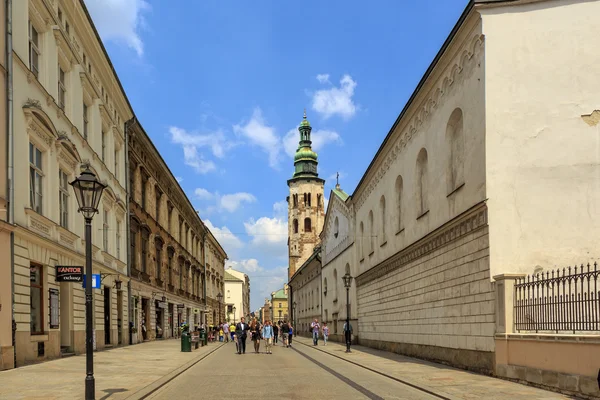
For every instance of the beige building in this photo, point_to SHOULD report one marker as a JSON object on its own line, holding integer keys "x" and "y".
{"x": 279, "y": 301}
{"x": 307, "y": 296}
{"x": 243, "y": 306}
{"x": 69, "y": 111}
{"x": 234, "y": 295}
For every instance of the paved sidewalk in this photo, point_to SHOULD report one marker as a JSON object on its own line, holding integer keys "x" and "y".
{"x": 447, "y": 381}
{"x": 120, "y": 373}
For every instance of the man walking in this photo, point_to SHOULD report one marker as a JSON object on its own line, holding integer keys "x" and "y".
{"x": 315, "y": 331}
{"x": 241, "y": 331}
{"x": 285, "y": 333}
{"x": 267, "y": 334}
{"x": 348, "y": 334}
{"x": 226, "y": 332}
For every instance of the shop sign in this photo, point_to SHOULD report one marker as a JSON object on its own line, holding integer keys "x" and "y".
{"x": 161, "y": 304}
{"x": 180, "y": 306}
{"x": 53, "y": 308}
{"x": 69, "y": 273}
{"x": 95, "y": 281}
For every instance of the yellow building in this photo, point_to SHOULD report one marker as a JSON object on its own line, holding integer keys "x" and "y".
{"x": 279, "y": 301}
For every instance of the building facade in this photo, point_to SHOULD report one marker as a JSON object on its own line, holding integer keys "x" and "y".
{"x": 234, "y": 297}
{"x": 69, "y": 113}
{"x": 244, "y": 310}
{"x": 279, "y": 301}
{"x": 305, "y": 202}
{"x": 266, "y": 311}
{"x": 7, "y": 354}
{"x": 169, "y": 249}
{"x": 338, "y": 258}
{"x": 306, "y": 292}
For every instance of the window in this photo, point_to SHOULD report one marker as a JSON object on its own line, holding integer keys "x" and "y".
{"x": 295, "y": 226}
{"x": 280, "y": 306}
{"x": 335, "y": 283}
{"x": 85, "y": 121}
{"x": 133, "y": 249}
{"x": 307, "y": 225}
{"x": 295, "y": 200}
{"x": 309, "y": 204}
{"x": 62, "y": 89}
{"x": 422, "y": 182}
{"x": 36, "y": 290}
{"x": 169, "y": 216}
{"x": 361, "y": 240}
{"x": 63, "y": 200}
{"x": 34, "y": 51}
{"x": 117, "y": 156}
{"x": 382, "y": 211}
{"x": 158, "y": 259}
{"x": 68, "y": 28}
{"x": 371, "y": 233}
{"x": 104, "y": 147}
{"x": 60, "y": 16}
{"x": 455, "y": 141}
{"x": 158, "y": 196}
{"x": 144, "y": 182}
{"x": 180, "y": 274}
{"x": 170, "y": 254}
{"x": 35, "y": 178}
{"x": 118, "y": 240}
{"x": 105, "y": 229}
{"x": 399, "y": 189}
{"x": 145, "y": 235}
{"x": 319, "y": 201}
{"x": 336, "y": 227}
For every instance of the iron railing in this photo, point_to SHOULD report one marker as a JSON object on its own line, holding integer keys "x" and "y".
{"x": 567, "y": 302}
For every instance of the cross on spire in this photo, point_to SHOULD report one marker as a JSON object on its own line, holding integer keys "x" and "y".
{"x": 337, "y": 181}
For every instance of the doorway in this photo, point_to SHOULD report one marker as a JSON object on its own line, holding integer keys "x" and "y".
{"x": 159, "y": 319}
{"x": 66, "y": 315}
{"x": 120, "y": 317}
{"x": 171, "y": 324}
{"x": 145, "y": 314}
{"x": 106, "y": 315}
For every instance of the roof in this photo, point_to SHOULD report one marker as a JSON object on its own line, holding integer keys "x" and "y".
{"x": 280, "y": 294}
{"x": 340, "y": 193}
{"x": 230, "y": 278}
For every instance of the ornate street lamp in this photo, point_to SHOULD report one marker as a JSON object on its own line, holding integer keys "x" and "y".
{"x": 219, "y": 299}
{"x": 295, "y": 326}
{"x": 88, "y": 191}
{"x": 347, "y": 331}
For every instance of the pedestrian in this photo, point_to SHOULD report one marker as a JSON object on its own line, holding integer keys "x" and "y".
{"x": 255, "y": 332}
{"x": 241, "y": 331}
{"x": 314, "y": 327}
{"x": 290, "y": 335}
{"x": 348, "y": 335}
{"x": 267, "y": 334}
{"x": 275, "y": 333}
{"x": 285, "y": 333}
{"x": 325, "y": 333}
{"x": 226, "y": 332}
{"x": 221, "y": 333}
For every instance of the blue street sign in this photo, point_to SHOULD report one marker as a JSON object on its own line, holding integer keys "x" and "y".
{"x": 95, "y": 281}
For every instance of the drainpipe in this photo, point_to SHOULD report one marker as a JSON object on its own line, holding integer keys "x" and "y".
{"x": 128, "y": 124}
{"x": 10, "y": 158}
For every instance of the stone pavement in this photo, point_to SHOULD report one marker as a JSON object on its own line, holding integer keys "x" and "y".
{"x": 120, "y": 373}
{"x": 441, "y": 379}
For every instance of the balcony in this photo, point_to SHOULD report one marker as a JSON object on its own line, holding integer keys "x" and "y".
{"x": 171, "y": 288}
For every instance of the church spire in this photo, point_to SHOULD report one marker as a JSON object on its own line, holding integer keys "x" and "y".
{"x": 305, "y": 159}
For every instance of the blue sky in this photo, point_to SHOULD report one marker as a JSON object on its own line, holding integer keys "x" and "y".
{"x": 220, "y": 87}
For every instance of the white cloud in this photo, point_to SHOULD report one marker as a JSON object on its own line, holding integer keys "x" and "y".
{"x": 246, "y": 266}
{"x": 225, "y": 237}
{"x": 119, "y": 20}
{"x": 280, "y": 208}
{"x": 232, "y": 202}
{"x": 267, "y": 230}
{"x": 192, "y": 142}
{"x": 259, "y": 133}
{"x": 263, "y": 280}
{"x": 336, "y": 100}
{"x": 323, "y": 78}
{"x": 229, "y": 202}
{"x": 319, "y": 137}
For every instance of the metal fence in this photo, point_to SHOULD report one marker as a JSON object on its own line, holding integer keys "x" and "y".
{"x": 566, "y": 301}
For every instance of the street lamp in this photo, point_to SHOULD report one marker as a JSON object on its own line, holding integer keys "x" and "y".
{"x": 295, "y": 326}
{"x": 219, "y": 299}
{"x": 88, "y": 191}
{"x": 234, "y": 314}
{"x": 348, "y": 332}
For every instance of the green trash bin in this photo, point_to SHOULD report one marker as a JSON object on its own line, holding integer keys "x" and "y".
{"x": 203, "y": 337}
{"x": 186, "y": 342}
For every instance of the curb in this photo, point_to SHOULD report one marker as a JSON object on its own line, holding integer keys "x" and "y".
{"x": 159, "y": 383}
{"x": 422, "y": 388}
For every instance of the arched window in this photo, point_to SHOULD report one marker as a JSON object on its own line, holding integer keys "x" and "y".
{"x": 399, "y": 189}
{"x": 305, "y": 200}
{"x": 455, "y": 141}
{"x": 295, "y": 226}
{"x": 336, "y": 227}
{"x": 371, "y": 233}
{"x": 319, "y": 205}
{"x": 325, "y": 287}
{"x": 422, "y": 182}
{"x": 295, "y": 200}
{"x": 335, "y": 280}
{"x": 361, "y": 239}
{"x": 382, "y": 218}
{"x": 309, "y": 200}
{"x": 307, "y": 225}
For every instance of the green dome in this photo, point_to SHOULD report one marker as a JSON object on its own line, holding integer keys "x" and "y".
{"x": 304, "y": 122}
{"x": 304, "y": 153}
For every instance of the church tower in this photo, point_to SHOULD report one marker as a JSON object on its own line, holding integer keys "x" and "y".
{"x": 306, "y": 211}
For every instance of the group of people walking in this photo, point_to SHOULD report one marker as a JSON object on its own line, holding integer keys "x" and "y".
{"x": 258, "y": 332}
{"x": 315, "y": 328}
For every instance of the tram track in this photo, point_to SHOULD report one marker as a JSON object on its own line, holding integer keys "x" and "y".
{"x": 380, "y": 373}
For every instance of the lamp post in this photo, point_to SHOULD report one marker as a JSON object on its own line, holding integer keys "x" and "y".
{"x": 295, "y": 326}
{"x": 347, "y": 332}
{"x": 219, "y": 299}
{"x": 88, "y": 191}
{"x": 234, "y": 314}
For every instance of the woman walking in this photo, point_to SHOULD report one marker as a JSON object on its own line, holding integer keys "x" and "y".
{"x": 267, "y": 334}
{"x": 325, "y": 332}
{"x": 255, "y": 331}
{"x": 290, "y": 335}
{"x": 275, "y": 333}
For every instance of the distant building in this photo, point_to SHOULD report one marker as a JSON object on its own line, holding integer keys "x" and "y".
{"x": 241, "y": 301}
{"x": 279, "y": 300}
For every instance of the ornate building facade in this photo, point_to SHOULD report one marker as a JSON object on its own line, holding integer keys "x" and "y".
{"x": 177, "y": 266}
{"x": 68, "y": 112}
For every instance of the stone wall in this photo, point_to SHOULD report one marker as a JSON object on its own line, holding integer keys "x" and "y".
{"x": 434, "y": 300}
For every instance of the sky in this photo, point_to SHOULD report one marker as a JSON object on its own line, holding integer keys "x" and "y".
{"x": 220, "y": 88}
